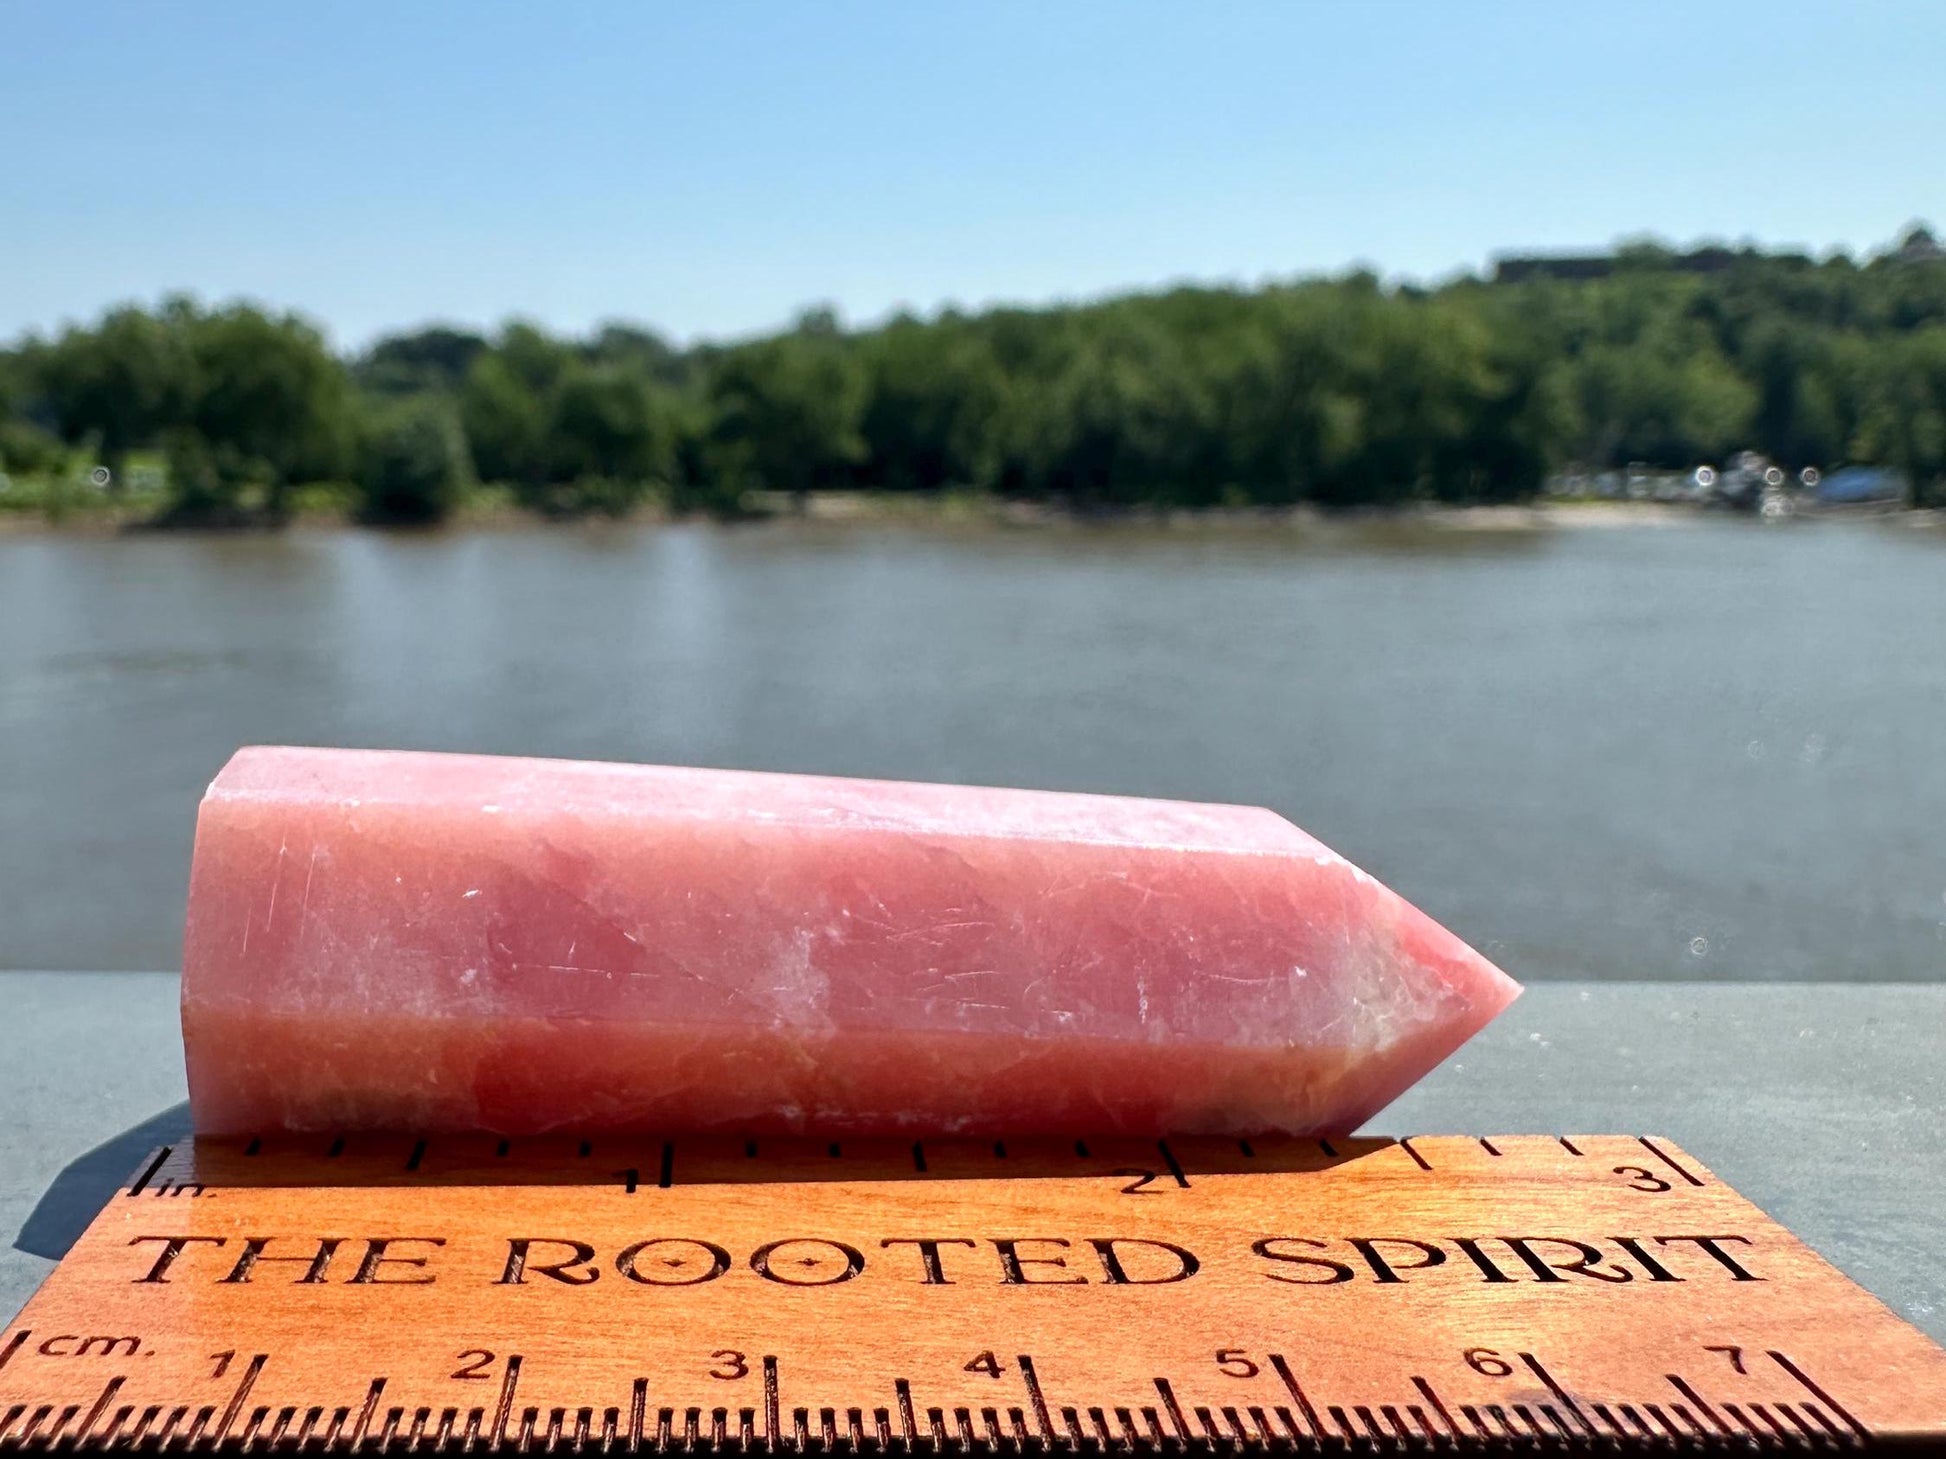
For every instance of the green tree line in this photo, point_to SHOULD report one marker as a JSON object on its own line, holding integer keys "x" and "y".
{"x": 1334, "y": 392}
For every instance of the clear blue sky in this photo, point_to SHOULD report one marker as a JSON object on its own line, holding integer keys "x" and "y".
{"x": 709, "y": 168}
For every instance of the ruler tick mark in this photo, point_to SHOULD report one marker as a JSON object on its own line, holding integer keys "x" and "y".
{"x": 1804, "y": 1381}
{"x": 372, "y": 1395}
{"x": 337, "y": 1148}
{"x": 1034, "y": 1396}
{"x": 999, "y": 1149}
{"x": 908, "y": 1424}
{"x": 833, "y": 1151}
{"x": 1081, "y": 1150}
{"x": 1568, "y": 1145}
{"x": 667, "y": 1176}
{"x": 13, "y": 1345}
{"x": 1534, "y": 1366}
{"x": 585, "y": 1150}
{"x": 1677, "y": 1382}
{"x": 148, "y": 1171}
{"x": 203, "y": 1416}
{"x": 1662, "y": 1155}
{"x": 418, "y": 1154}
{"x": 1803, "y": 1414}
{"x": 749, "y": 1149}
{"x": 1818, "y": 1418}
{"x": 503, "y": 1410}
{"x": 254, "y": 1146}
{"x": 1488, "y": 1146}
{"x": 501, "y": 1150}
{"x": 1172, "y": 1408}
{"x": 1426, "y": 1392}
{"x": 34, "y": 1421}
{"x": 1739, "y": 1421}
{"x": 1208, "y": 1420}
{"x": 1175, "y": 1166}
{"x": 1261, "y": 1420}
{"x": 771, "y": 1403}
{"x": 1325, "y": 1145}
{"x": 1548, "y": 1412}
{"x": 1417, "y": 1159}
{"x": 1378, "y": 1430}
{"x": 1678, "y": 1411}
{"x": 1244, "y": 1146}
{"x": 1291, "y": 1385}
{"x": 106, "y": 1442}
{"x": 240, "y": 1397}
{"x": 919, "y": 1157}
{"x": 100, "y": 1407}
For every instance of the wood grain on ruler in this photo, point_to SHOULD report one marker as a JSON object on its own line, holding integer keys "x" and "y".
{"x": 362, "y": 1292}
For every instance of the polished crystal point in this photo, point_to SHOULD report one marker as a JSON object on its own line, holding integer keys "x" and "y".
{"x": 423, "y": 942}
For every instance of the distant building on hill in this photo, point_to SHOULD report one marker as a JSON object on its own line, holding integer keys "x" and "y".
{"x": 1576, "y": 267}
{"x": 1918, "y": 246}
{"x": 1573, "y": 266}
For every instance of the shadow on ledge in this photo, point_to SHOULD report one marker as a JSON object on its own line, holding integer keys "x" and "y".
{"x": 83, "y": 1188}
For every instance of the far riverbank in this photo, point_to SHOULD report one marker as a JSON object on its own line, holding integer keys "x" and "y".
{"x": 101, "y": 514}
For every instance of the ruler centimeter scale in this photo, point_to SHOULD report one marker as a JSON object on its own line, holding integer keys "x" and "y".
{"x": 382, "y": 1294}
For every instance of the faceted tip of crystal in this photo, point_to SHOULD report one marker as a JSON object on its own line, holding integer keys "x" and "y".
{"x": 1497, "y": 989}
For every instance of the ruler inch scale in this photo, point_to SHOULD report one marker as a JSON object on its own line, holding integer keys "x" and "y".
{"x": 1503, "y": 1295}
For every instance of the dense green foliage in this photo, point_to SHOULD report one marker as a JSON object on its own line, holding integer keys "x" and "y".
{"x": 1334, "y": 392}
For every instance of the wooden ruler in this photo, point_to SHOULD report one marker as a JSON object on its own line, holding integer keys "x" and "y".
{"x": 1494, "y": 1294}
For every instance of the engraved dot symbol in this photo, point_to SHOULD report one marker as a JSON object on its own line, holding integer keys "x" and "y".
{"x": 807, "y": 1261}
{"x": 1699, "y": 945}
{"x": 672, "y": 1261}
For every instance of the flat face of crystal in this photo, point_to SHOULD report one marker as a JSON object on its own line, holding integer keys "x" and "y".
{"x": 453, "y": 785}
{"x": 426, "y": 941}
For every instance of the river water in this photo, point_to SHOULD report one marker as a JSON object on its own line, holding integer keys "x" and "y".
{"x": 1711, "y": 751}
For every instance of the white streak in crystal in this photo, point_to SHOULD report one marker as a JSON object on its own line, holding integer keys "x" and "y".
{"x": 799, "y": 993}
{"x": 276, "y": 880}
{"x": 310, "y": 871}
